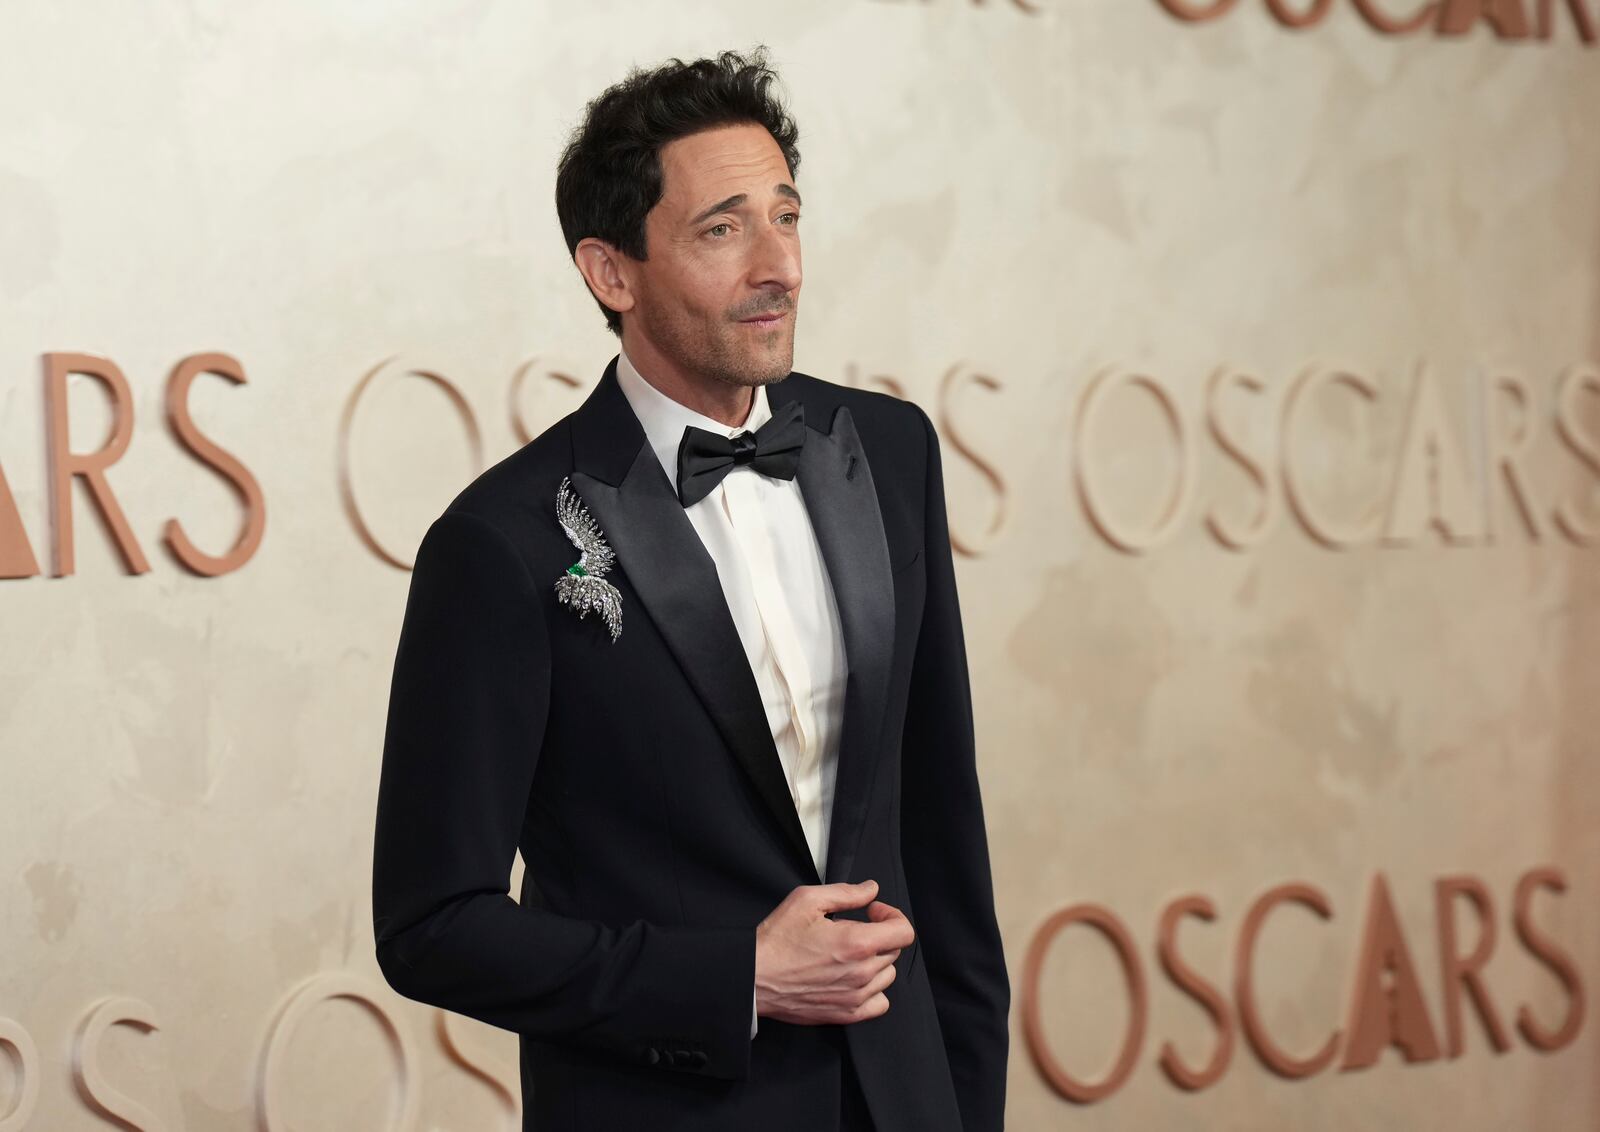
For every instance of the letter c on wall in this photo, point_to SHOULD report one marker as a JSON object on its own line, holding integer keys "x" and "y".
{"x": 1244, "y": 991}
{"x": 1195, "y": 13}
{"x": 26, "y": 1055}
{"x": 92, "y": 1084}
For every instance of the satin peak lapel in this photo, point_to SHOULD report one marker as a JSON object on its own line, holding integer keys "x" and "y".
{"x": 836, "y": 483}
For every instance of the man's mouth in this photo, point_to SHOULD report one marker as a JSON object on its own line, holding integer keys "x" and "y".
{"x": 765, "y": 321}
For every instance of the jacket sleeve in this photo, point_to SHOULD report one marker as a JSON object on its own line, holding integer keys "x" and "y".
{"x": 943, "y": 844}
{"x": 467, "y": 712}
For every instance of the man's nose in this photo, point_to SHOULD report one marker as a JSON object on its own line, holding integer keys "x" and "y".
{"x": 776, "y": 260}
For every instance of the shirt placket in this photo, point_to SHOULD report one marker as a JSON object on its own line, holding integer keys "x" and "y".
{"x": 744, "y": 513}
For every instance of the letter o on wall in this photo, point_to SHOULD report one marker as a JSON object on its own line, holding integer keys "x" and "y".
{"x": 1383, "y": 22}
{"x": 305, "y": 998}
{"x": 1117, "y": 533}
{"x": 1107, "y": 924}
{"x": 347, "y": 490}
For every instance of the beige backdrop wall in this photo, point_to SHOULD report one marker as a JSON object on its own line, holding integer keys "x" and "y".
{"x": 1053, "y": 228}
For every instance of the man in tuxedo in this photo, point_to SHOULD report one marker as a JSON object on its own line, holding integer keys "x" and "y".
{"x": 696, "y": 651}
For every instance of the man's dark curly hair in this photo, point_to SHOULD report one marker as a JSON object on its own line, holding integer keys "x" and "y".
{"x": 609, "y": 176}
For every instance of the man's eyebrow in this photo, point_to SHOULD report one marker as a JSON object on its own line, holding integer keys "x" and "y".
{"x": 783, "y": 188}
{"x": 721, "y": 206}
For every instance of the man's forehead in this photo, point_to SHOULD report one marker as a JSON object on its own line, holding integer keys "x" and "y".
{"x": 713, "y": 164}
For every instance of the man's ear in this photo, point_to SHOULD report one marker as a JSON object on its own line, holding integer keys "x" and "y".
{"x": 604, "y": 271}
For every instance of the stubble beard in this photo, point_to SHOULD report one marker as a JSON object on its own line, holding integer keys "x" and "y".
{"x": 720, "y": 349}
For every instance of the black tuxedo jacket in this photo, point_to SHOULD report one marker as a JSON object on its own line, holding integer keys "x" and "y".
{"x": 641, "y": 783}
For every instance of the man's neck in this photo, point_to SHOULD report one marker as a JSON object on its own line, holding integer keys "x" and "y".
{"x": 718, "y": 400}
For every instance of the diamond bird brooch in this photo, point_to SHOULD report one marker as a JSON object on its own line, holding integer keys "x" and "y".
{"x": 584, "y": 586}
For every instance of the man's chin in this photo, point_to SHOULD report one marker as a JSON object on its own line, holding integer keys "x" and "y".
{"x": 764, "y": 366}
{"x": 780, "y": 360}
{"x": 777, "y": 368}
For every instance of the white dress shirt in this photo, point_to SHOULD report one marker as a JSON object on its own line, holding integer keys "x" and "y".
{"x": 759, "y": 535}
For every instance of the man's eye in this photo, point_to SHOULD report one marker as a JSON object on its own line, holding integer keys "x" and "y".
{"x": 792, "y": 217}
{"x": 718, "y": 230}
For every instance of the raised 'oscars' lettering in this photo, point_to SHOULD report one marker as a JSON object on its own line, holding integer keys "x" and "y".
{"x": 1508, "y": 19}
{"x": 1386, "y": 1008}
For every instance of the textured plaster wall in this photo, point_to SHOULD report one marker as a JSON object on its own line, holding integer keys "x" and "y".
{"x": 189, "y": 764}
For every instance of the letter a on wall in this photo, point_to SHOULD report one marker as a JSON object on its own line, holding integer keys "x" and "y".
{"x": 1386, "y": 1008}
{"x": 16, "y": 556}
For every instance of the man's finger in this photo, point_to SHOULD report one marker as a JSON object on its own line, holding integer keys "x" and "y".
{"x": 878, "y": 911}
{"x": 836, "y": 897}
{"x": 885, "y": 935}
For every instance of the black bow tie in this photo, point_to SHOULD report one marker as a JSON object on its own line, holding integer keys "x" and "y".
{"x": 773, "y": 450}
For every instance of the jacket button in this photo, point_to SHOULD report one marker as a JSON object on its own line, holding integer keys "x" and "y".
{"x": 651, "y": 1055}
